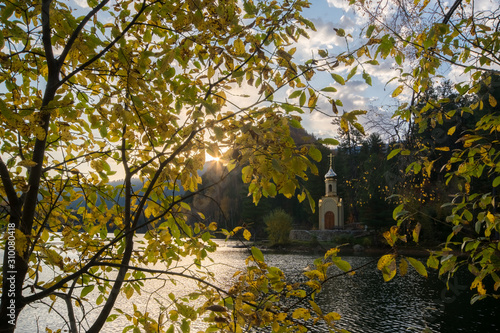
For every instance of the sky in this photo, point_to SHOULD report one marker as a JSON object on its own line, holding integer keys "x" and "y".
{"x": 356, "y": 94}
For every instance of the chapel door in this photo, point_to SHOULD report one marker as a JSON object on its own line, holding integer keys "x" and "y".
{"x": 329, "y": 220}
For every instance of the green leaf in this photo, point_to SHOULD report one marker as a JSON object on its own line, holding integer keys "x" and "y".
{"x": 246, "y": 173}
{"x": 397, "y": 211}
{"x": 315, "y": 153}
{"x": 433, "y": 262}
{"x": 367, "y": 78}
{"x": 399, "y": 60}
{"x": 338, "y": 78}
{"x": 370, "y": 30}
{"x": 295, "y": 123}
{"x": 295, "y": 94}
{"x": 496, "y": 181}
{"x": 352, "y": 73}
{"x": 185, "y": 326}
{"x": 329, "y": 141}
{"x": 112, "y": 317}
{"x": 312, "y": 202}
{"x": 419, "y": 267}
{"x": 329, "y": 89}
{"x": 342, "y": 264}
{"x": 302, "y": 99}
{"x": 257, "y": 254}
{"x": 340, "y": 32}
{"x": 86, "y": 290}
{"x": 393, "y": 153}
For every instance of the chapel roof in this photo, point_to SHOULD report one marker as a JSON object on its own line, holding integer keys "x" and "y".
{"x": 331, "y": 174}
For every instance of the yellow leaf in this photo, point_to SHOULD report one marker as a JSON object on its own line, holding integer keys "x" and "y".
{"x": 493, "y": 101}
{"x": 312, "y": 101}
{"x": 220, "y": 98}
{"x": 53, "y": 257}
{"x": 332, "y": 316}
{"x": 490, "y": 217}
{"x": 384, "y": 261}
{"x": 40, "y": 133}
{"x": 210, "y": 72}
{"x": 239, "y": 47}
{"x": 416, "y": 232}
{"x": 27, "y": 163}
{"x": 452, "y": 130}
{"x": 360, "y": 52}
{"x": 247, "y": 234}
{"x": 316, "y": 308}
{"x": 419, "y": 267}
{"x": 344, "y": 125}
{"x": 403, "y": 267}
{"x": 397, "y": 91}
{"x": 129, "y": 291}
{"x": 480, "y": 289}
{"x": 388, "y": 237}
{"x": 21, "y": 242}
{"x": 301, "y": 313}
{"x": 212, "y": 226}
{"x": 280, "y": 316}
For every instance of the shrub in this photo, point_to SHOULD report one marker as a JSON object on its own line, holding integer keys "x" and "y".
{"x": 278, "y": 227}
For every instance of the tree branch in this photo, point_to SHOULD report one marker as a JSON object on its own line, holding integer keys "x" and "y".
{"x": 451, "y": 11}
{"x": 8, "y": 186}
{"x": 47, "y": 34}
{"x": 109, "y": 46}
{"x": 79, "y": 29}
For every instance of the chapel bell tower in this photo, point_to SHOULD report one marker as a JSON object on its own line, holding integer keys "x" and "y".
{"x": 331, "y": 210}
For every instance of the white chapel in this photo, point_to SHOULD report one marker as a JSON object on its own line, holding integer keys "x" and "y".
{"x": 331, "y": 209}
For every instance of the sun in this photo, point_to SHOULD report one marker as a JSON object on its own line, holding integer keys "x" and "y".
{"x": 210, "y": 158}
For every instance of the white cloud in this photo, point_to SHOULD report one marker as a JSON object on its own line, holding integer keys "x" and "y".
{"x": 341, "y": 4}
{"x": 324, "y": 38}
{"x": 353, "y": 97}
{"x": 82, "y": 3}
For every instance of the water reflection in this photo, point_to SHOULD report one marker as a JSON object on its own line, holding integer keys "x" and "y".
{"x": 365, "y": 302}
{"x": 405, "y": 304}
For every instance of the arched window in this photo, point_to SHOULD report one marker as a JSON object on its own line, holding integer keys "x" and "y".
{"x": 330, "y": 188}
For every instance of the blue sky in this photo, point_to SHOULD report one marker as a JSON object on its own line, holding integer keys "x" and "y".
{"x": 356, "y": 94}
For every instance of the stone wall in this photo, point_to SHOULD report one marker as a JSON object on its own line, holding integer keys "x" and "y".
{"x": 320, "y": 235}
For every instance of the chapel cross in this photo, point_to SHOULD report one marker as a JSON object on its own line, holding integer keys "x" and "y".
{"x": 331, "y": 160}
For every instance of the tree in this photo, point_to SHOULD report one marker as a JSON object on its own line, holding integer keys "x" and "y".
{"x": 278, "y": 226}
{"x": 423, "y": 41}
{"x": 140, "y": 90}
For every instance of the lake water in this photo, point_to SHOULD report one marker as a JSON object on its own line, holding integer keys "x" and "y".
{"x": 365, "y": 302}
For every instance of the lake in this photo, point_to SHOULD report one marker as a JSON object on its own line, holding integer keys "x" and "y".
{"x": 365, "y": 302}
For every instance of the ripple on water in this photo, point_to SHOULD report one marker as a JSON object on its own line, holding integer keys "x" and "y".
{"x": 366, "y": 303}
